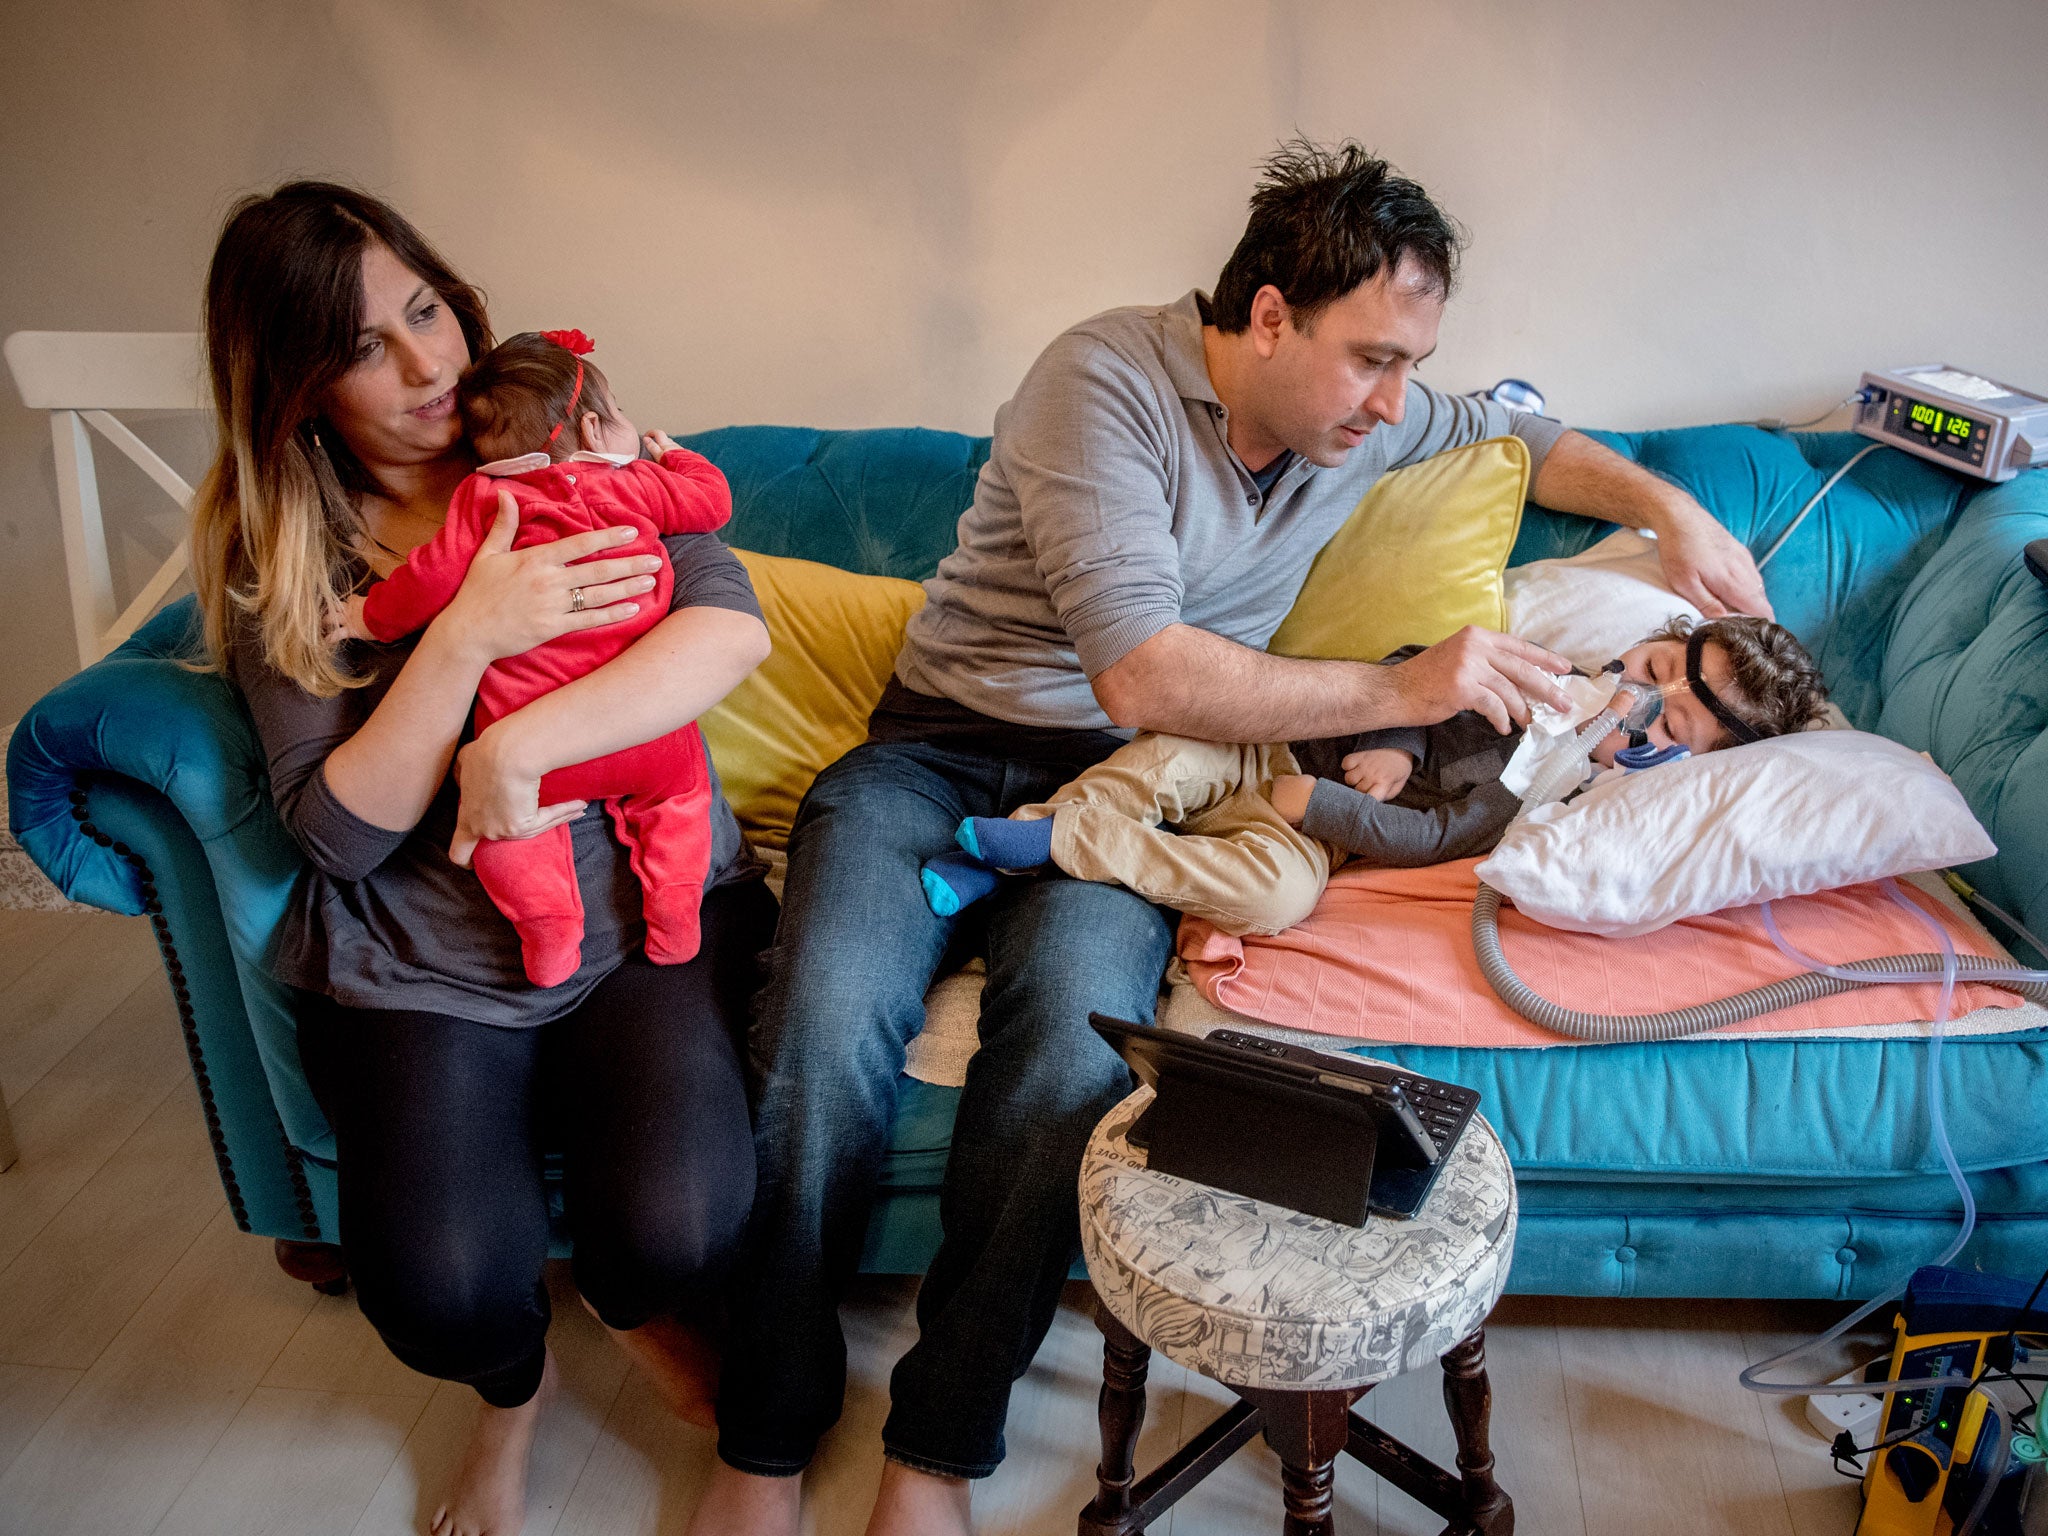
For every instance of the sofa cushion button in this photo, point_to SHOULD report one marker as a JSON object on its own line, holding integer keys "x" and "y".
{"x": 1845, "y": 1255}
{"x": 1625, "y": 1254}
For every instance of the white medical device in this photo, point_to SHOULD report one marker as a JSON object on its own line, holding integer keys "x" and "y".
{"x": 1958, "y": 419}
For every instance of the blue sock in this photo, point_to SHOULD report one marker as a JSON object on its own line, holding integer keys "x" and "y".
{"x": 955, "y": 880}
{"x": 1002, "y": 843}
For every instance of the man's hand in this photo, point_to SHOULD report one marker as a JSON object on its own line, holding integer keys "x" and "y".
{"x": 1289, "y": 794}
{"x": 1493, "y": 674}
{"x": 1705, "y": 563}
{"x": 1378, "y": 771}
{"x": 1701, "y": 559}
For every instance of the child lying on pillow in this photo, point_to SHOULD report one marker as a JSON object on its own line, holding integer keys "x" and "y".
{"x": 1261, "y": 827}
{"x": 572, "y": 462}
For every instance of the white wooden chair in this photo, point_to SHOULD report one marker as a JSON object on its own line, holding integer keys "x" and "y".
{"x": 81, "y": 378}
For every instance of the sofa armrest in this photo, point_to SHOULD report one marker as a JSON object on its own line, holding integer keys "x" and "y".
{"x": 146, "y": 715}
{"x": 1966, "y": 681}
{"x": 143, "y": 717}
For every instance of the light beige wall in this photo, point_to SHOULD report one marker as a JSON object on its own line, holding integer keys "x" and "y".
{"x": 854, "y": 214}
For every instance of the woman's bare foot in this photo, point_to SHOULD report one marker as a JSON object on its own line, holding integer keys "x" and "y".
{"x": 736, "y": 1503}
{"x": 913, "y": 1503}
{"x": 681, "y": 1362}
{"x": 489, "y": 1496}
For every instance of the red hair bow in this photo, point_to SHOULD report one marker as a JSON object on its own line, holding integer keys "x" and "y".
{"x": 575, "y": 341}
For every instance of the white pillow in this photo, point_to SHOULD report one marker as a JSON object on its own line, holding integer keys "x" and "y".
{"x": 1595, "y": 605}
{"x": 1783, "y": 817}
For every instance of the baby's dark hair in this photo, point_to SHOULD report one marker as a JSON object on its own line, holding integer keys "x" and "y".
{"x": 1777, "y": 684}
{"x": 513, "y": 396}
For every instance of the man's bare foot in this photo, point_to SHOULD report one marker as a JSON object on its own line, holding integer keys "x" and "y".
{"x": 681, "y": 1362}
{"x": 489, "y": 1496}
{"x": 736, "y": 1503}
{"x": 913, "y": 1503}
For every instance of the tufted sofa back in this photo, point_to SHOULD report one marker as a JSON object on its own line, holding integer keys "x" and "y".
{"x": 1905, "y": 582}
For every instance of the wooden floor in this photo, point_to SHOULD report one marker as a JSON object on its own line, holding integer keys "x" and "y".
{"x": 157, "y": 1373}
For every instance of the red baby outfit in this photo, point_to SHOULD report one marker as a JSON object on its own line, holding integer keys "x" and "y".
{"x": 658, "y": 793}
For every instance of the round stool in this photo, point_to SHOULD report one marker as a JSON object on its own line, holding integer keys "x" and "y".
{"x": 1300, "y": 1317}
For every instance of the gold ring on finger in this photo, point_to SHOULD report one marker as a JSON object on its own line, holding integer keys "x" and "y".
{"x": 575, "y": 599}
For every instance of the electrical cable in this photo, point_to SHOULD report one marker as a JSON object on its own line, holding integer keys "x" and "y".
{"x": 1814, "y": 501}
{"x": 1779, "y": 424}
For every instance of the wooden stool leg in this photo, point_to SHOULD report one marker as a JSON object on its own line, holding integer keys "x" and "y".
{"x": 1469, "y": 1397}
{"x": 1308, "y": 1431}
{"x": 1120, "y": 1413}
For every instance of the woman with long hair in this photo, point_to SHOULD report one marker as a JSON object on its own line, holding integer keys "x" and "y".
{"x": 335, "y": 335}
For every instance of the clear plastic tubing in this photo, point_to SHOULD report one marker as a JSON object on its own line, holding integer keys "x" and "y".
{"x": 1937, "y": 1122}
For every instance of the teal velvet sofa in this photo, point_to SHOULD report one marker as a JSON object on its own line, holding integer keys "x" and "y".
{"x": 1790, "y": 1168}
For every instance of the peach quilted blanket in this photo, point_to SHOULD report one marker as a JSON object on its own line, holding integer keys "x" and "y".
{"x": 1387, "y": 955}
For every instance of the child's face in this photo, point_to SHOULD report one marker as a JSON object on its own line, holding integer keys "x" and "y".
{"x": 1684, "y": 721}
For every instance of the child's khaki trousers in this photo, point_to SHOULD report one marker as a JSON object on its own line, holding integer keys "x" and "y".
{"x": 1238, "y": 863}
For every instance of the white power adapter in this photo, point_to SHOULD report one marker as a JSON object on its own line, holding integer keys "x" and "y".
{"x": 1856, "y": 1413}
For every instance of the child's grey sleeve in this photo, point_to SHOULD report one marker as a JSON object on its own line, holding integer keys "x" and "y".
{"x": 1396, "y": 837}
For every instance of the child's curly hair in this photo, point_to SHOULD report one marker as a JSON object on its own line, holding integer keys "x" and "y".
{"x": 1775, "y": 677}
{"x": 513, "y": 396}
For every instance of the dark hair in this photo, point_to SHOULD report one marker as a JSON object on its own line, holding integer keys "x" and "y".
{"x": 284, "y": 307}
{"x": 1325, "y": 220}
{"x": 513, "y": 396}
{"x": 1778, "y": 685}
{"x": 277, "y": 526}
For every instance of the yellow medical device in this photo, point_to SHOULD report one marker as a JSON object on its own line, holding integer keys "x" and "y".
{"x": 1931, "y": 1462}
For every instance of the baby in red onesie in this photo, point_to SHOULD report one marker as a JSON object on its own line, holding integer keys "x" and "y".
{"x": 560, "y": 445}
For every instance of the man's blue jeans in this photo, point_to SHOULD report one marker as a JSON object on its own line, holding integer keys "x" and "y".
{"x": 855, "y": 951}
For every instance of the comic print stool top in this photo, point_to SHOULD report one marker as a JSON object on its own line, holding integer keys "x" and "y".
{"x": 1300, "y": 1317}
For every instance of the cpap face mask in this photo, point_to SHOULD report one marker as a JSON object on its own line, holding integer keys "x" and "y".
{"x": 1556, "y": 753}
{"x": 1638, "y": 704}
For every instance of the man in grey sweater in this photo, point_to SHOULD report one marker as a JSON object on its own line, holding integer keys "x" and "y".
{"x": 1154, "y": 496}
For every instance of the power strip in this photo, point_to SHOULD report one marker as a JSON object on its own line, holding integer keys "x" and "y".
{"x": 1858, "y": 1413}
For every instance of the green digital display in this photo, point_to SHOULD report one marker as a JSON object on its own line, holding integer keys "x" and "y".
{"x": 1931, "y": 421}
{"x": 1937, "y": 429}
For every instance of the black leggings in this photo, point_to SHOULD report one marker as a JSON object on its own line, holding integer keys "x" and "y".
{"x": 441, "y": 1124}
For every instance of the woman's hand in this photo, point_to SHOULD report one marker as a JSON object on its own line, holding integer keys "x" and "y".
{"x": 500, "y": 798}
{"x": 513, "y": 600}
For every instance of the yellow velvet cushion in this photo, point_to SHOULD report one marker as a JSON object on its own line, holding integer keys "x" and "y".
{"x": 836, "y": 635}
{"x": 1420, "y": 558}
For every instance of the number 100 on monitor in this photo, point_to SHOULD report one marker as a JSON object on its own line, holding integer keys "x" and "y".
{"x": 1958, "y": 419}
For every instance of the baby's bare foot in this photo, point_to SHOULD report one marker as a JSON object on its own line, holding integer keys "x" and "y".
{"x": 489, "y": 1495}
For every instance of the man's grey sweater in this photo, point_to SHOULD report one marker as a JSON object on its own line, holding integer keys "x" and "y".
{"x": 1113, "y": 507}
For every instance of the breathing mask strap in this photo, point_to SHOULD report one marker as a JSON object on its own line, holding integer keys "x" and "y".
{"x": 1739, "y": 728}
